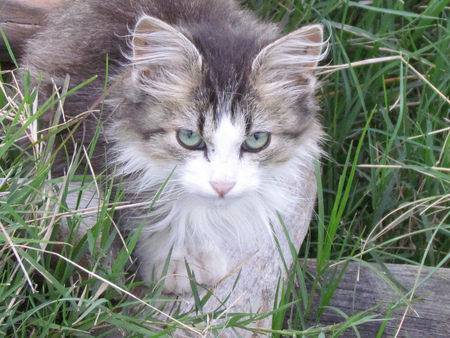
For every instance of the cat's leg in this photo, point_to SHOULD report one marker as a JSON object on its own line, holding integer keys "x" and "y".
{"x": 208, "y": 266}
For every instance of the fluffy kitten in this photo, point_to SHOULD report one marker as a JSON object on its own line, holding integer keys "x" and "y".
{"x": 203, "y": 92}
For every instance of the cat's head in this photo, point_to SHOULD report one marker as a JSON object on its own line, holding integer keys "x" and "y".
{"x": 231, "y": 111}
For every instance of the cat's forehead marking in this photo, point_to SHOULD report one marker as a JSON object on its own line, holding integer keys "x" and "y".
{"x": 228, "y": 129}
{"x": 225, "y": 109}
{"x": 227, "y": 138}
{"x": 222, "y": 102}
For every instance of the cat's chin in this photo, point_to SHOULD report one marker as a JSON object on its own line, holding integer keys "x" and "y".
{"x": 216, "y": 201}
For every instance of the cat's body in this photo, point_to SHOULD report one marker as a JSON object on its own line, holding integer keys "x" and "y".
{"x": 203, "y": 92}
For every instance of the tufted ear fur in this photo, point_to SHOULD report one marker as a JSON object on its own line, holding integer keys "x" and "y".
{"x": 287, "y": 66}
{"x": 166, "y": 64}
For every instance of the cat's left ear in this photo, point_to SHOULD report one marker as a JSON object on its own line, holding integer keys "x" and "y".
{"x": 291, "y": 60}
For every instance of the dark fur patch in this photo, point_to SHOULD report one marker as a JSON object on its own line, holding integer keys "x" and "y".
{"x": 77, "y": 38}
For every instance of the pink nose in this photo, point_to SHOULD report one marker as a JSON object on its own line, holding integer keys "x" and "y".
{"x": 221, "y": 187}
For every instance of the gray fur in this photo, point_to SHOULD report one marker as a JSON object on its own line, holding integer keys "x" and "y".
{"x": 78, "y": 37}
{"x": 208, "y": 67}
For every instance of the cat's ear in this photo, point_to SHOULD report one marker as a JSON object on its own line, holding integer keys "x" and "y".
{"x": 166, "y": 64}
{"x": 289, "y": 63}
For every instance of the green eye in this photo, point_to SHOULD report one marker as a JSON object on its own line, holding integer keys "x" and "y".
{"x": 190, "y": 140}
{"x": 256, "y": 142}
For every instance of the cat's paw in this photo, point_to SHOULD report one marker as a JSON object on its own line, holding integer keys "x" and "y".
{"x": 208, "y": 268}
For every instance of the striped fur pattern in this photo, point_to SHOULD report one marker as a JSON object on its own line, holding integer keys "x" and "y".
{"x": 205, "y": 68}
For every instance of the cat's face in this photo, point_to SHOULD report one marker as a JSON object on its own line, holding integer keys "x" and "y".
{"x": 225, "y": 143}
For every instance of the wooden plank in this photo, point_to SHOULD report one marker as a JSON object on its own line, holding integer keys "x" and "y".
{"x": 44, "y": 4}
{"x": 19, "y": 20}
{"x": 361, "y": 288}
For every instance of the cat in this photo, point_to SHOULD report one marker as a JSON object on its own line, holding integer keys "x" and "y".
{"x": 205, "y": 99}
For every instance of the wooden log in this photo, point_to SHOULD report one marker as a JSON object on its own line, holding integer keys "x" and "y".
{"x": 19, "y": 20}
{"x": 362, "y": 288}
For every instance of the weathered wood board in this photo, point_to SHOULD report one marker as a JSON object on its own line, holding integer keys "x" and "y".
{"x": 19, "y": 20}
{"x": 361, "y": 288}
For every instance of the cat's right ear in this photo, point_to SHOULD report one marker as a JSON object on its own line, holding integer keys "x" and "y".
{"x": 286, "y": 68}
{"x": 166, "y": 64}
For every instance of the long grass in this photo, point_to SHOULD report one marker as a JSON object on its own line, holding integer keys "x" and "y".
{"x": 383, "y": 190}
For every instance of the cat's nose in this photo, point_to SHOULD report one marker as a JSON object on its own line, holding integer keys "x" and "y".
{"x": 222, "y": 187}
